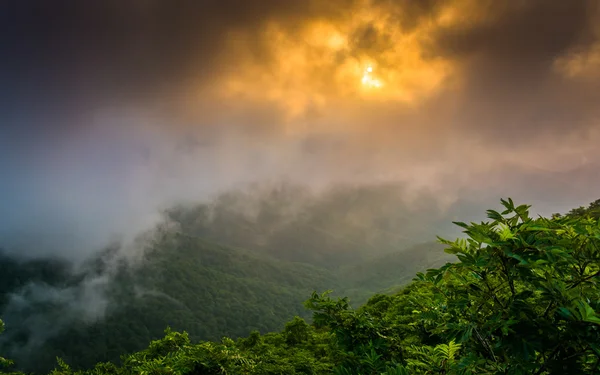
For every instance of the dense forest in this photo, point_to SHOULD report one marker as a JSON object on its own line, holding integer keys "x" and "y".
{"x": 196, "y": 276}
{"x": 189, "y": 284}
{"x": 521, "y": 297}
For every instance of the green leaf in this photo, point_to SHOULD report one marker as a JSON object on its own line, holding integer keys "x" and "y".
{"x": 461, "y": 224}
{"x": 565, "y": 313}
{"x": 494, "y": 215}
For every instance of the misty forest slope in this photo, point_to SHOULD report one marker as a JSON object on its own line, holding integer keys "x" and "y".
{"x": 389, "y": 272}
{"x": 340, "y": 226}
{"x": 183, "y": 281}
{"x": 195, "y": 276}
{"x": 522, "y": 298}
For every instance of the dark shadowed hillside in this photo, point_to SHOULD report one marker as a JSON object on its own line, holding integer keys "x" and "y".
{"x": 182, "y": 281}
{"x": 344, "y": 225}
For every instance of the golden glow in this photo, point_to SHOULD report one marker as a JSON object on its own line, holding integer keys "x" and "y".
{"x": 368, "y": 80}
{"x": 367, "y": 56}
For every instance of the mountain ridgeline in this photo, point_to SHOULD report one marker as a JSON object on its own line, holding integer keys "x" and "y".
{"x": 344, "y": 225}
{"x": 245, "y": 261}
{"x": 518, "y": 295}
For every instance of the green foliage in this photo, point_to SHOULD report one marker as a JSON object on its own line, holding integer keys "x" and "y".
{"x": 269, "y": 354}
{"x": 432, "y": 360}
{"x": 523, "y": 298}
{"x": 184, "y": 282}
{"x": 592, "y": 210}
{"x": 389, "y": 273}
{"x": 190, "y": 284}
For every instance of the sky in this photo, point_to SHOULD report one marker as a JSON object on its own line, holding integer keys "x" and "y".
{"x": 112, "y": 110}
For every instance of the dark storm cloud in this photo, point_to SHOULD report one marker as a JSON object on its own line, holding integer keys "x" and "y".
{"x": 65, "y": 50}
{"x": 69, "y": 54}
{"x": 508, "y": 68}
{"x": 523, "y": 32}
{"x": 63, "y": 59}
{"x": 407, "y": 14}
{"x": 368, "y": 38}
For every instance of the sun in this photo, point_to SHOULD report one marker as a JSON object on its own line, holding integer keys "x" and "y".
{"x": 368, "y": 80}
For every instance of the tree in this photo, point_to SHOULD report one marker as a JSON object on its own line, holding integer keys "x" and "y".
{"x": 524, "y": 298}
{"x": 593, "y": 211}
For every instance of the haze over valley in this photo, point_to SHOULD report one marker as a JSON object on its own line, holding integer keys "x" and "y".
{"x": 207, "y": 165}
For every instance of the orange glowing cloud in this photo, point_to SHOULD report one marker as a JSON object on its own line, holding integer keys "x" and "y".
{"x": 368, "y": 56}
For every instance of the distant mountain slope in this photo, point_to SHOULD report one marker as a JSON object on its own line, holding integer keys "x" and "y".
{"x": 548, "y": 191}
{"x": 387, "y": 273}
{"x": 244, "y": 261}
{"x": 185, "y": 282}
{"x": 190, "y": 284}
{"x": 339, "y": 226}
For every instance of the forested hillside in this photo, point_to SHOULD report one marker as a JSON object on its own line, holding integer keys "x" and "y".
{"x": 182, "y": 281}
{"x": 388, "y": 273}
{"x": 339, "y": 226}
{"x": 209, "y": 290}
{"x": 521, "y": 299}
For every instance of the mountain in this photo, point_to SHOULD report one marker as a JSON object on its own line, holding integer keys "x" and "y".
{"x": 183, "y": 281}
{"x": 245, "y": 261}
{"x": 442, "y": 320}
{"x": 345, "y": 225}
{"x": 548, "y": 191}
{"x": 390, "y": 272}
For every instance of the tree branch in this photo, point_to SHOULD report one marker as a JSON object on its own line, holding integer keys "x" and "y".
{"x": 585, "y": 279}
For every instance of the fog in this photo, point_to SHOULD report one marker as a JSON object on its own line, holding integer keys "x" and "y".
{"x": 105, "y": 128}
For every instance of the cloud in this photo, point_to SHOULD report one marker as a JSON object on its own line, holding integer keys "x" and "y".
{"x": 581, "y": 64}
{"x": 298, "y": 65}
{"x": 113, "y": 111}
{"x": 116, "y": 110}
{"x": 38, "y": 311}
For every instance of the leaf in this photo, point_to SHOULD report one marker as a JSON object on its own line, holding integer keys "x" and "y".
{"x": 534, "y": 228}
{"x": 521, "y": 260}
{"x": 460, "y": 224}
{"x": 474, "y": 287}
{"x": 566, "y": 313}
{"x": 504, "y": 232}
{"x": 495, "y": 215}
{"x": 523, "y": 211}
{"x": 587, "y": 313}
{"x": 525, "y": 294}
